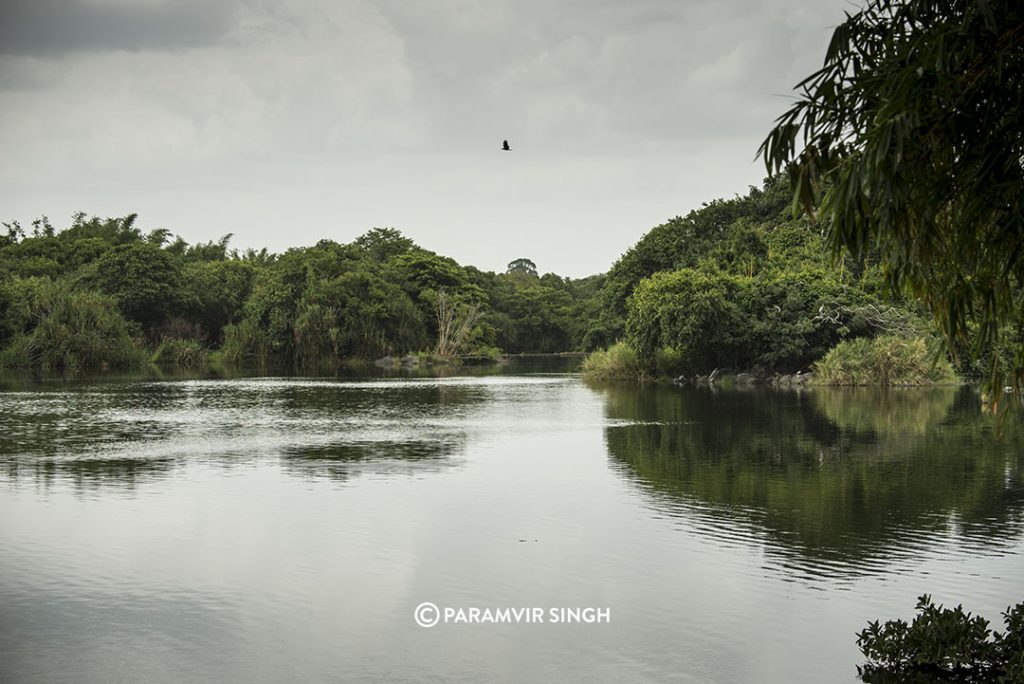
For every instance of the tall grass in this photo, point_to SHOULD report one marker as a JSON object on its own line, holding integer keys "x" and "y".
{"x": 245, "y": 342}
{"x": 886, "y": 360}
{"x": 618, "y": 362}
{"x": 180, "y": 353}
{"x": 71, "y": 331}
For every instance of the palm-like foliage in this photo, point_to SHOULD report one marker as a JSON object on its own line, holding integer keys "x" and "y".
{"x": 910, "y": 139}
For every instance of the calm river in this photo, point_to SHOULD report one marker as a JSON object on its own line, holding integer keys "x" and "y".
{"x": 279, "y": 529}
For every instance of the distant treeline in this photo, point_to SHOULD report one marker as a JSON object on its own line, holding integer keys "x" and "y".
{"x": 738, "y": 284}
{"x": 103, "y": 293}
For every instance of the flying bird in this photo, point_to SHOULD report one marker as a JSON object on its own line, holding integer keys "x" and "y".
{"x": 505, "y": 147}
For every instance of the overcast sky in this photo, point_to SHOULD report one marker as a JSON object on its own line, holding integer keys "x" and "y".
{"x": 288, "y": 121}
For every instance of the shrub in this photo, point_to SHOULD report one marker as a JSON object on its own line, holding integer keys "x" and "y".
{"x": 486, "y": 353}
{"x": 65, "y": 330}
{"x": 886, "y": 360}
{"x": 944, "y": 643}
{"x": 245, "y": 342}
{"x": 179, "y": 353}
{"x": 668, "y": 362}
{"x": 618, "y": 362}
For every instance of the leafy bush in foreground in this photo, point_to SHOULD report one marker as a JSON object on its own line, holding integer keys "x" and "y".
{"x": 943, "y": 644}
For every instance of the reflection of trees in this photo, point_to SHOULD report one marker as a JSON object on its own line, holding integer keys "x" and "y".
{"x": 818, "y": 474}
{"x": 343, "y": 460}
{"x": 89, "y": 474}
{"x": 379, "y": 399}
{"x": 109, "y": 433}
{"x": 886, "y": 410}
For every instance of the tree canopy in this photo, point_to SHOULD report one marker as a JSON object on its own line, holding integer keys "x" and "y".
{"x": 310, "y": 306}
{"x": 909, "y": 141}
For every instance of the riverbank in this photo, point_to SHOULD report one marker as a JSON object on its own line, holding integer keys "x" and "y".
{"x": 885, "y": 360}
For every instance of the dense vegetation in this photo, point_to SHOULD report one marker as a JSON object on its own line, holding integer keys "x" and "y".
{"x": 944, "y": 644}
{"x": 907, "y": 146}
{"x": 737, "y": 284}
{"x": 103, "y": 293}
{"x": 741, "y": 284}
{"x": 885, "y": 360}
{"x": 907, "y": 143}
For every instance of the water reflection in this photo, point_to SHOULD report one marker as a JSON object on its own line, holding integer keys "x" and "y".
{"x": 833, "y": 483}
{"x": 215, "y": 529}
{"x": 342, "y": 460}
{"x": 88, "y": 475}
{"x": 126, "y": 432}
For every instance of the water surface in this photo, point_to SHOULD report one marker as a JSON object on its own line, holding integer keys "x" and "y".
{"x": 285, "y": 528}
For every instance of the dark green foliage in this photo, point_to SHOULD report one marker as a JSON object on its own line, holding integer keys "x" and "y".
{"x": 910, "y": 139}
{"x": 945, "y": 644}
{"x": 179, "y": 353}
{"x": 722, "y": 227}
{"x": 265, "y": 331}
{"x": 323, "y": 305}
{"x": 776, "y": 300}
{"x": 529, "y": 313}
{"x": 421, "y": 270}
{"x": 740, "y": 284}
{"x": 46, "y": 325}
{"x": 537, "y": 318}
{"x": 111, "y": 231}
{"x": 201, "y": 251}
{"x": 694, "y": 313}
{"x": 311, "y": 306}
{"x": 144, "y": 280}
{"x": 774, "y": 320}
{"x": 524, "y": 266}
{"x": 381, "y": 244}
{"x": 357, "y": 314}
{"x": 215, "y": 292}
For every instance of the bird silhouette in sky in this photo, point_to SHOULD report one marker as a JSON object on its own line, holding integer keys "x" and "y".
{"x": 505, "y": 147}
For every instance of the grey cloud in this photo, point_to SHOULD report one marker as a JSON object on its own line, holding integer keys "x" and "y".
{"x": 333, "y": 116}
{"x": 48, "y": 27}
{"x": 586, "y": 72}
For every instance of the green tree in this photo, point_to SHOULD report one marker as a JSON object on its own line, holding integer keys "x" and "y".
{"x": 684, "y": 242}
{"x": 693, "y": 312}
{"x": 381, "y": 244}
{"x": 145, "y": 281}
{"x": 216, "y": 292}
{"x": 522, "y": 266}
{"x": 910, "y": 140}
{"x": 113, "y": 231}
{"x": 214, "y": 250}
{"x": 357, "y": 314}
